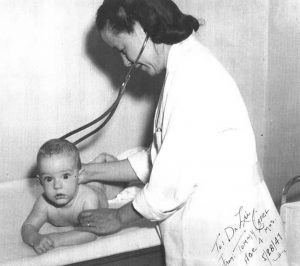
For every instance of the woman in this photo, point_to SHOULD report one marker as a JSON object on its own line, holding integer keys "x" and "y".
{"x": 202, "y": 183}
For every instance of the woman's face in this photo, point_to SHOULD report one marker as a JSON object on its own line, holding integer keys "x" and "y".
{"x": 129, "y": 46}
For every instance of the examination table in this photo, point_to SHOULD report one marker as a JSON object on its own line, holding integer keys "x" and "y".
{"x": 137, "y": 245}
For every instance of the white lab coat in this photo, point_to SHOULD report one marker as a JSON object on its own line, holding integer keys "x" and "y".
{"x": 202, "y": 180}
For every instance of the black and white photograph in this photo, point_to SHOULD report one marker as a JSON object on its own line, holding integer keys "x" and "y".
{"x": 150, "y": 132}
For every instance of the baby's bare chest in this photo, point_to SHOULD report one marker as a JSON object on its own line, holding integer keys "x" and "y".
{"x": 64, "y": 216}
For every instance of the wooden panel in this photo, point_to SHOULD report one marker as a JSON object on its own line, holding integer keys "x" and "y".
{"x": 153, "y": 256}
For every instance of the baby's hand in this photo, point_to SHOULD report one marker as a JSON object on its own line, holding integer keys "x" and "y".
{"x": 42, "y": 244}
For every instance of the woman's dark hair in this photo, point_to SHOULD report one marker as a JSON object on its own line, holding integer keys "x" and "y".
{"x": 161, "y": 19}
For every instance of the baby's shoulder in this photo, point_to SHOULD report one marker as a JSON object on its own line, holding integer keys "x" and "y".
{"x": 42, "y": 200}
{"x": 86, "y": 190}
{"x": 41, "y": 203}
{"x": 85, "y": 193}
{"x": 87, "y": 197}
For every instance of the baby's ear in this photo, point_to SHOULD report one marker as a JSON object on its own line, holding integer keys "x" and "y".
{"x": 80, "y": 175}
{"x": 39, "y": 178}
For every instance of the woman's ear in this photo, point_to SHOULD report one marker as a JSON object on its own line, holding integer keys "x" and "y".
{"x": 139, "y": 30}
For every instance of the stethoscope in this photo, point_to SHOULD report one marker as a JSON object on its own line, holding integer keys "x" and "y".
{"x": 110, "y": 111}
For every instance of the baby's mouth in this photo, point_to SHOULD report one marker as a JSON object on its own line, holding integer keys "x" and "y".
{"x": 60, "y": 196}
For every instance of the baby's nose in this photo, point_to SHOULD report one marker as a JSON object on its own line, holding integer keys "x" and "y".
{"x": 57, "y": 183}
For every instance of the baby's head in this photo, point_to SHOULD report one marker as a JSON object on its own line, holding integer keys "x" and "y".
{"x": 59, "y": 167}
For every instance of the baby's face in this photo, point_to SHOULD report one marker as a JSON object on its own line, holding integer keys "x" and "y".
{"x": 59, "y": 178}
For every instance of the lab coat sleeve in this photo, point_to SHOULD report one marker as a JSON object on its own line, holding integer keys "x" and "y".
{"x": 174, "y": 173}
{"x": 141, "y": 164}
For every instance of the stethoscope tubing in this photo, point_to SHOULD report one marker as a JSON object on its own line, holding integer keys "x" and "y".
{"x": 111, "y": 110}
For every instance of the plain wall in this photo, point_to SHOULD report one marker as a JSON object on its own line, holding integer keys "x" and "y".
{"x": 282, "y": 142}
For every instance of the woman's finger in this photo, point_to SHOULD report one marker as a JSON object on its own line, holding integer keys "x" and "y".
{"x": 51, "y": 243}
{"x": 101, "y": 158}
{"x": 85, "y": 214}
{"x": 110, "y": 158}
{"x": 46, "y": 246}
{"x": 87, "y": 223}
{"x": 91, "y": 229}
{"x": 90, "y": 215}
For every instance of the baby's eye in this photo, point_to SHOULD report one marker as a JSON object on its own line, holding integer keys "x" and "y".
{"x": 48, "y": 179}
{"x": 66, "y": 176}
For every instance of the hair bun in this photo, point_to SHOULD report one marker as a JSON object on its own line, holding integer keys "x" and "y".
{"x": 191, "y": 22}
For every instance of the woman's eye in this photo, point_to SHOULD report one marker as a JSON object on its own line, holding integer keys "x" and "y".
{"x": 66, "y": 176}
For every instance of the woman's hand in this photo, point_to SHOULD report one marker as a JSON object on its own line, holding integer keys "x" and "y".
{"x": 104, "y": 158}
{"x": 107, "y": 221}
{"x": 100, "y": 221}
{"x": 87, "y": 176}
{"x": 107, "y": 168}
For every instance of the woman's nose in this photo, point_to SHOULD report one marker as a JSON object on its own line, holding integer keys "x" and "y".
{"x": 126, "y": 62}
{"x": 57, "y": 183}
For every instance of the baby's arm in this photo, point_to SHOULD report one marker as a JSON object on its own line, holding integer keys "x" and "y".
{"x": 76, "y": 237}
{"x": 30, "y": 228}
{"x": 71, "y": 238}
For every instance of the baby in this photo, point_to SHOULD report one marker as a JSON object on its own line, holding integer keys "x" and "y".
{"x": 59, "y": 171}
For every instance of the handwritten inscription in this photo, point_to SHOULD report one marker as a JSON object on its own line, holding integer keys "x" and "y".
{"x": 253, "y": 236}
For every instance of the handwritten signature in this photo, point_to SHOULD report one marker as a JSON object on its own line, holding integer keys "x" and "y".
{"x": 251, "y": 232}
{"x": 257, "y": 220}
